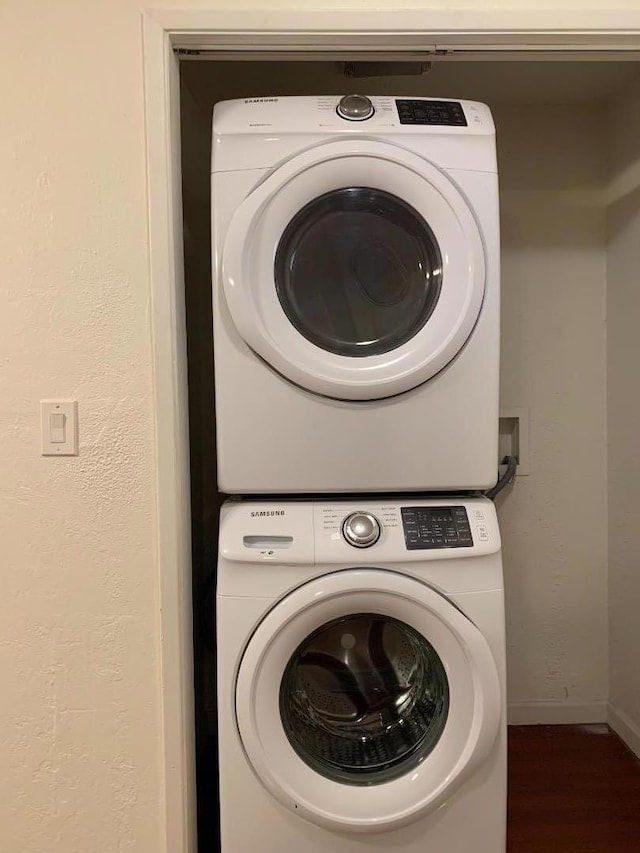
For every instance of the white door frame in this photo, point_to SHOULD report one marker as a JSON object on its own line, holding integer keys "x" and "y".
{"x": 497, "y": 33}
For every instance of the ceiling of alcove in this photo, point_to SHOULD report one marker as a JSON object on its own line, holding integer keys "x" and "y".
{"x": 497, "y": 82}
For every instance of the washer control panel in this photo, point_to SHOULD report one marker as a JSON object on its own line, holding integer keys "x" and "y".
{"x": 303, "y": 532}
{"x": 436, "y": 527}
{"x": 361, "y": 529}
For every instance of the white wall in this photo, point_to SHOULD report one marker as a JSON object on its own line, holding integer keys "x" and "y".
{"x": 80, "y": 733}
{"x": 623, "y": 360}
{"x": 552, "y": 174}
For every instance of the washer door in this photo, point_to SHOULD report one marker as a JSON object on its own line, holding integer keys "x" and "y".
{"x": 356, "y": 270}
{"x": 364, "y": 698}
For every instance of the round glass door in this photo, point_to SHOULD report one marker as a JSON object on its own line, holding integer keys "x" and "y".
{"x": 355, "y": 269}
{"x": 364, "y": 699}
{"x": 358, "y": 271}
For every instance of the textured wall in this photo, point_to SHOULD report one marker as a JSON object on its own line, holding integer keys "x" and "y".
{"x": 79, "y": 642}
{"x": 623, "y": 358}
{"x": 552, "y": 171}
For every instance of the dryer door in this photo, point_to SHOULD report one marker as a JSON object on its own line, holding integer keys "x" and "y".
{"x": 364, "y": 698}
{"x": 355, "y": 269}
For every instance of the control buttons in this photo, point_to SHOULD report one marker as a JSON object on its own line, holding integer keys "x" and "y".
{"x": 436, "y": 527}
{"x": 483, "y": 532}
{"x": 355, "y": 108}
{"x": 425, "y": 111}
{"x": 361, "y": 529}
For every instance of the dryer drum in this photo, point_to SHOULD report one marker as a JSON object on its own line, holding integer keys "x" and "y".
{"x": 358, "y": 271}
{"x": 364, "y": 699}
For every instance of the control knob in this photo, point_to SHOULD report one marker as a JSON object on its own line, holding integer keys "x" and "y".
{"x": 355, "y": 108}
{"x": 361, "y": 529}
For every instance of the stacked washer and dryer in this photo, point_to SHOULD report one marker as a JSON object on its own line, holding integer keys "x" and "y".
{"x": 360, "y": 612}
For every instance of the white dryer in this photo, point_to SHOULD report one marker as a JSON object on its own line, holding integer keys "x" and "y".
{"x": 355, "y": 294}
{"x": 361, "y": 677}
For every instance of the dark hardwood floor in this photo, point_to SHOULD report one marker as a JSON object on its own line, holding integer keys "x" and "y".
{"x": 572, "y": 789}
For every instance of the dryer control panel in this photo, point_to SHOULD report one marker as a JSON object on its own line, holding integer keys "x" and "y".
{"x": 428, "y": 111}
{"x": 352, "y": 114}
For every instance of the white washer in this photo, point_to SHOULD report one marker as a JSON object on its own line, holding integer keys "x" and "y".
{"x": 355, "y": 294}
{"x": 361, "y": 677}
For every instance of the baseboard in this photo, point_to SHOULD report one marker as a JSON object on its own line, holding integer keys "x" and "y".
{"x": 625, "y": 728}
{"x": 556, "y": 713}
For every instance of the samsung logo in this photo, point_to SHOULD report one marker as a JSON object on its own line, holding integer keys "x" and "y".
{"x": 261, "y": 100}
{"x": 267, "y": 513}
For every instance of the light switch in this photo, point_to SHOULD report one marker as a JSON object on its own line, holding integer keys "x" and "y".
{"x": 56, "y": 428}
{"x": 59, "y": 426}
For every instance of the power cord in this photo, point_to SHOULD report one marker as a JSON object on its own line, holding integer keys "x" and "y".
{"x": 506, "y": 478}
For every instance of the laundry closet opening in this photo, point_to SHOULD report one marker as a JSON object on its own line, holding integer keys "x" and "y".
{"x": 568, "y": 137}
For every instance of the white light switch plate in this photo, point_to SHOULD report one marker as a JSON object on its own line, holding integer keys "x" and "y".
{"x": 59, "y": 427}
